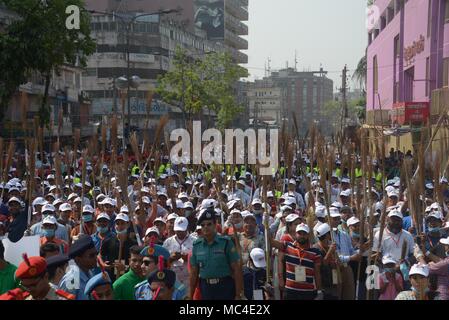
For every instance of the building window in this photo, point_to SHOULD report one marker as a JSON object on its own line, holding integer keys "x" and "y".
{"x": 375, "y": 75}
{"x": 445, "y": 72}
{"x": 397, "y": 48}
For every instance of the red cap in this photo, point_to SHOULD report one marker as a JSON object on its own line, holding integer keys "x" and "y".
{"x": 31, "y": 267}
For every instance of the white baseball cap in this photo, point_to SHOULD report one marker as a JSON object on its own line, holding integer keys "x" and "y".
{"x": 292, "y": 217}
{"x": 124, "y": 208}
{"x": 172, "y": 216}
{"x": 292, "y": 181}
{"x": 181, "y": 224}
{"x": 57, "y": 202}
{"x": 388, "y": 259}
{"x": 445, "y": 241}
{"x": 393, "y": 193}
{"x": 289, "y": 201}
{"x": 88, "y": 208}
{"x": 230, "y": 204}
{"x": 352, "y": 221}
{"x": 345, "y": 180}
{"x": 146, "y": 200}
{"x": 429, "y": 185}
{"x": 122, "y": 216}
{"x": 395, "y": 213}
{"x": 49, "y": 220}
{"x": 345, "y": 193}
{"x": 270, "y": 194}
{"x": 103, "y": 215}
{"x": 152, "y": 229}
{"x": 39, "y": 201}
{"x": 65, "y": 207}
{"x": 320, "y": 211}
{"x": 160, "y": 220}
{"x": 47, "y": 207}
{"x": 302, "y": 227}
{"x": 183, "y": 195}
{"x": 188, "y": 204}
{"x": 435, "y": 214}
{"x": 336, "y": 204}
{"x": 334, "y": 212}
{"x": 12, "y": 199}
{"x": 258, "y": 257}
{"x": 323, "y": 229}
{"x": 283, "y": 208}
{"x": 422, "y": 269}
{"x": 256, "y": 201}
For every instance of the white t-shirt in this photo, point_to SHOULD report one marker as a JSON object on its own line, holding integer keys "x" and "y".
{"x": 392, "y": 243}
{"x": 173, "y": 244}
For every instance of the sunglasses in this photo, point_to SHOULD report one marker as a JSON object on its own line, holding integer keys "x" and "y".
{"x": 147, "y": 262}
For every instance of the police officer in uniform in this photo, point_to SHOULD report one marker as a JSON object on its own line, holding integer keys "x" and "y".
{"x": 152, "y": 256}
{"x": 33, "y": 276}
{"x": 84, "y": 254}
{"x": 215, "y": 263}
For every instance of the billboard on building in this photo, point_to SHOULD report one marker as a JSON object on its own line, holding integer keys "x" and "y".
{"x": 209, "y": 16}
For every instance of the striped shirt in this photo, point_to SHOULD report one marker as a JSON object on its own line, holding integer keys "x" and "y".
{"x": 296, "y": 256}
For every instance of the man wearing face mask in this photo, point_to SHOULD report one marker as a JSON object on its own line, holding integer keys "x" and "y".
{"x": 17, "y": 220}
{"x": 113, "y": 246}
{"x": 189, "y": 214}
{"x": 61, "y": 230}
{"x": 434, "y": 249}
{"x": 103, "y": 230}
{"x": 419, "y": 277}
{"x": 89, "y": 226}
{"x": 48, "y": 234}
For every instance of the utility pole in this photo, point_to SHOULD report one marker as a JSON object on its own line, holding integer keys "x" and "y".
{"x": 344, "y": 102}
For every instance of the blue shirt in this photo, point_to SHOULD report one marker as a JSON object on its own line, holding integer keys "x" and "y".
{"x": 406, "y": 223}
{"x": 344, "y": 246}
{"x": 75, "y": 280}
{"x": 98, "y": 241}
{"x": 143, "y": 291}
{"x": 61, "y": 231}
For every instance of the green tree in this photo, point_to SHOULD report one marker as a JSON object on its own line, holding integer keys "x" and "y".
{"x": 194, "y": 84}
{"x": 39, "y": 41}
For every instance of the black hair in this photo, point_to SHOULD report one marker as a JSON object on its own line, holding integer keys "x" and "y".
{"x": 2, "y": 251}
{"x": 47, "y": 248}
{"x": 135, "y": 250}
{"x": 322, "y": 237}
{"x": 52, "y": 270}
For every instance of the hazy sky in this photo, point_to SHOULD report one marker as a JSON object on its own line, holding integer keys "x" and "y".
{"x": 330, "y": 32}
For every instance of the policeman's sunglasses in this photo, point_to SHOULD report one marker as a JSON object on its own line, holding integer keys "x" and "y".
{"x": 147, "y": 262}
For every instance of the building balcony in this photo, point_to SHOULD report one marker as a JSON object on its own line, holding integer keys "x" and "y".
{"x": 233, "y": 40}
{"x": 236, "y": 26}
{"x": 235, "y": 8}
{"x": 239, "y": 57}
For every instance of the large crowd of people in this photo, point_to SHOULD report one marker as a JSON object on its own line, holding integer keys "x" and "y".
{"x": 175, "y": 232}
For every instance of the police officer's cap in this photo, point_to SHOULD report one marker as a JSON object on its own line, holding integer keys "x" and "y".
{"x": 98, "y": 280}
{"x": 166, "y": 276}
{"x": 156, "y": 251}
{"x": 57, "y": 261}
{"x": 80, "y": 246}
{"x": 206, "y": 215}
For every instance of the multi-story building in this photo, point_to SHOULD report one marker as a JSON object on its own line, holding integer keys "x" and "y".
{"x": 302, "y": 94}
{"x": 69, "y": 105}
{"x": 264, "y": 99}
{"x": 217, "y": 20}
{"x": 152, "y": 44}
{"x": 408, "y": 64}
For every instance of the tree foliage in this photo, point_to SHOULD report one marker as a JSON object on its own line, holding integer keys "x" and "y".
{"x": 38, "y": 40}
{"x": 209, "y": 83}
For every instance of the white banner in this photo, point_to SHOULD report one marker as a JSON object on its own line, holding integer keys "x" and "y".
{"x": 14, "y": 251}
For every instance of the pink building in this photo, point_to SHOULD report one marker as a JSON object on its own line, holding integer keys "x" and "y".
{"x": 408, "y": 52}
